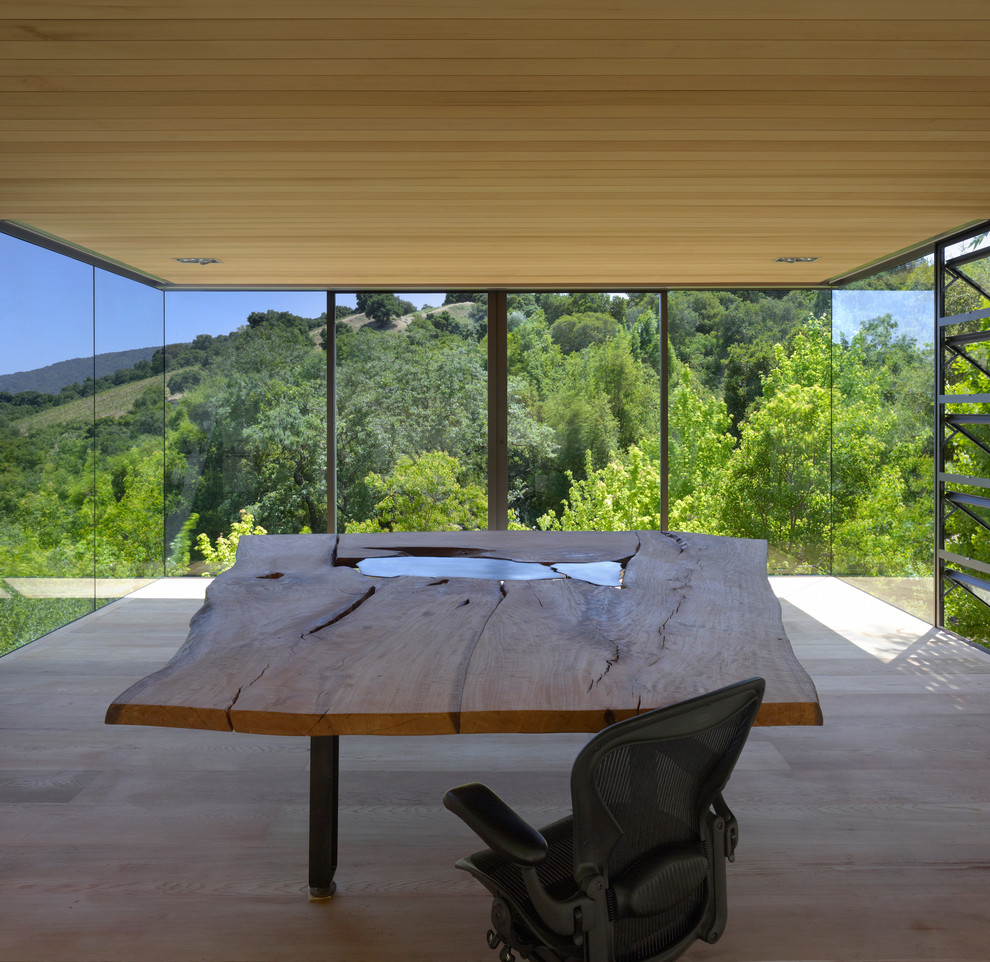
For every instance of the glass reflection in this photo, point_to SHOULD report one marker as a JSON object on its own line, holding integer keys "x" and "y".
{"x": 46, "y": 421}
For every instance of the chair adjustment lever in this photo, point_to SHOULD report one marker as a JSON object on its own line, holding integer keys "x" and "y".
{"x": 731, "y": 838}
{"x": 730, "y": 828}
{"x": 494, "y": 941}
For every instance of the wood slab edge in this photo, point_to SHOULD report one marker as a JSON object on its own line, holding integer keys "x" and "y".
{"x": 541, "y": 722}
{"x": 163, "y": 716}
{"x": 293, "y": 723}
{"x": 790, "y": 713}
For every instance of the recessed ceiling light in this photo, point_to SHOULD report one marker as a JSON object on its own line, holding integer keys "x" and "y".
{"x": 794, "y": 260}
{"x": 197, "y": 260}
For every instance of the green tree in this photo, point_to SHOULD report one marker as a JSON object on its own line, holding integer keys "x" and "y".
{"x": 533, "y": 357}
{"x": 575, "y": 332}
{"x": 602, "y": 400}
{"x": 400, "y": 395}
{"x": 778, "y": 480}
{"x": 128, "y": 509}
{"x": 261, "y": 420}
{"x": 820, "y": 467}
{"x": 644, "y": 328}
{"x": 278, "y": 318}
{"x": 623, "y": 495}
{"x": 700, "y": 450}
{"x": 425, "y": 492}
{"x": 220, "y": 556}
{"x": 379, "y": 306}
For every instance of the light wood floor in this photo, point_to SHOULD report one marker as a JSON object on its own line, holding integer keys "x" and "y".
{"x": 867, "y": 839}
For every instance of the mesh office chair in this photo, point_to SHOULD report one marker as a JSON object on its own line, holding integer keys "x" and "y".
{"x": 637, "y": 872}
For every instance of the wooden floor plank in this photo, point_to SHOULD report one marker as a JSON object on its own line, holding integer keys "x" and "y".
{"x": 864, "y": 839}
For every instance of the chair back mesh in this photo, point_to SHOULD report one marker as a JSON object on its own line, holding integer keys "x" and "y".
{"x": 648, "y": 784}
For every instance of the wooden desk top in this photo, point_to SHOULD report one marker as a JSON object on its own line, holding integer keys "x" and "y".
{"x": 294, "y": 641}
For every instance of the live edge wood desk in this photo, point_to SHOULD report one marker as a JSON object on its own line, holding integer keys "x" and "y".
{"x": 294, "y": 640}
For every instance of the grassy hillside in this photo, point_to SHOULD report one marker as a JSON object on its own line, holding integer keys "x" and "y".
{"x": 112, "y": 403}
{"x": 460, "y": 312}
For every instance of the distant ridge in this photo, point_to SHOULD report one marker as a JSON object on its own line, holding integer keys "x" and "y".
{"x": 53, "y": 377}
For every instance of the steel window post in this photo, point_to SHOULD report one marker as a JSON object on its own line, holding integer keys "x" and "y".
{"x": 498, "y": 415}
{"x": 939, "y": 435}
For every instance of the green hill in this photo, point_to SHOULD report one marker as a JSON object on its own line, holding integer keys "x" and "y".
{"x": 53, "y": 377}
{"x": 112, "y": 403}
{"x": 460, "y": 312}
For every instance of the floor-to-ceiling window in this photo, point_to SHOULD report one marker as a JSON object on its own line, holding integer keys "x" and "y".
{"x": 180, "y": 420}
{"x": 80, "y": 438}
{"x": 411, "y": 432}
{"x": 750, "y": 420}
{"x": 882, "y": 441}
{"x": 245, "y": 421}
{"x": 125, "y": 460}
{"x": 584, "y": 410}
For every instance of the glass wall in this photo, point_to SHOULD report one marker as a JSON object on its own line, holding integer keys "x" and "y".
{"x": 80, "y": 430}
{"x": 143, "y": 433}
{"x": 750, "y": 420}
{"x": 245, "y": 421}
{"x": 412, "y": 411}
{"x": 584, "y": 410}
{"x": 882, "y": 441}
{"x": 125, "y": 460}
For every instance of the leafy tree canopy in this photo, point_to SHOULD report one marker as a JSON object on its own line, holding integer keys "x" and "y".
{"x": 379, "y": 305}
{"x": 425, "y": 492}
{"x": 575, "y": 332}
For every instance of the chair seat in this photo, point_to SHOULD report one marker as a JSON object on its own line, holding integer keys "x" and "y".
{"x": 638, "y": 938}
{"x": 504, "y": 880}
{"x": 636, "y": 873}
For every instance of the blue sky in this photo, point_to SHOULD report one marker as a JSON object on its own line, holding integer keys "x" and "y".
{"x": 47, "y": 309}
{"x": 914, "y": 312}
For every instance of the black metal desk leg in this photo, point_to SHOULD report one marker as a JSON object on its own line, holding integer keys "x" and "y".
{"x": 324, "y": 761}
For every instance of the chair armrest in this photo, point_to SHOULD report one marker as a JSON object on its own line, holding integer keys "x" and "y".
{"x": 504, "y": 831}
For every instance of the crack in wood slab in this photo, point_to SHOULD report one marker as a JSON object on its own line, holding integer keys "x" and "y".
{"x": 237, "y": 694}
{"x": 343, "y": 614}
{"x": 609, "y": 662}
{"x": 676, "y": 538}
{"x": 662, "y": 630}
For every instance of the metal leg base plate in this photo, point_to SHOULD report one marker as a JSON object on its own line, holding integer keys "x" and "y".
{"x": 321, "y": 894}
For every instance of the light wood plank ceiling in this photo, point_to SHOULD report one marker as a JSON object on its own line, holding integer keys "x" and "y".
{"x": 469, "y": 143}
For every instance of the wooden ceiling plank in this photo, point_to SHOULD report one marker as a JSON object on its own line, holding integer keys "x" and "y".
{"x": 77, "y": 115}
{"x": 593, "y": 135}
{"x": 664, "y": 10}
{"x": 520, "y": 70}
{"x": 460, "y": 29}
{"x": 359, "y": 102}
{"x": 561, "y": 85}
{"x": 524, "y": 55}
